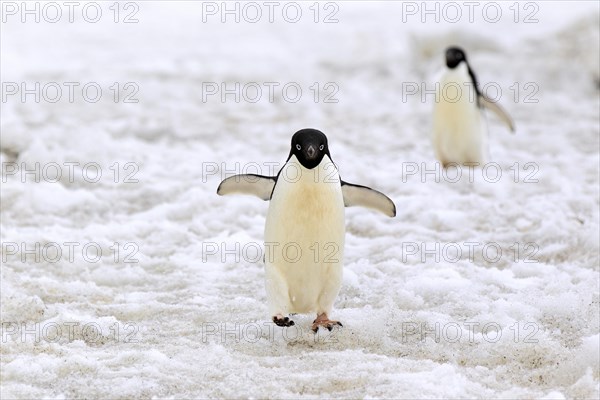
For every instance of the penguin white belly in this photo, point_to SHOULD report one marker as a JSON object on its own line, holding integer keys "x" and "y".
{"x": 459, "y": 132}
{"x": 305, "y": 231}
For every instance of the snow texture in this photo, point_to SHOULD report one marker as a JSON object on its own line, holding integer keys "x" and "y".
{"x": 189, "y": 321}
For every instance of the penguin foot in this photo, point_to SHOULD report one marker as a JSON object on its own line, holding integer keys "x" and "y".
{"x": 280, "y": 320}
{"x": 325, "y": 322}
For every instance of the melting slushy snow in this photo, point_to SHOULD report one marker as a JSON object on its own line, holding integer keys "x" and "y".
{"x": 147, "y": 284}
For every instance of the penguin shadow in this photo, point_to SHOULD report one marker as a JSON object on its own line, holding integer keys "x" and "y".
{"x": 266, "y": 339}
{"x": 487, "y": 181}
{"x": 463, "y": 186}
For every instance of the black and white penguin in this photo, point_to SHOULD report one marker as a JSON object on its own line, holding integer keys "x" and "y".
{"x": 305, "y": 226}
{"x": 459, "y": 128}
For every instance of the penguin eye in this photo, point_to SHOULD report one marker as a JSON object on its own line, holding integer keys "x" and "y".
{"x": 298, "y": 147}
{"x": 321, "y": 147}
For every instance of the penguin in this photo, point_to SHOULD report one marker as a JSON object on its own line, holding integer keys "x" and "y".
{"x": 459, "y": 129}
{"x": 305, "y": 228}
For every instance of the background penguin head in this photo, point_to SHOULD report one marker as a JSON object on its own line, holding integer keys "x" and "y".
{"x": 454, "y": 56}
{"x": 309, "y": 146}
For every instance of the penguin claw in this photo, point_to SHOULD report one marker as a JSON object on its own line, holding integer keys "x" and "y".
{"x": 325, "y": 323}
{"x": 284, "y": 322}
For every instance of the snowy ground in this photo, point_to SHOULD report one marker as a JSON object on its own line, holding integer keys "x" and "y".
{"x": 159, "y": 315}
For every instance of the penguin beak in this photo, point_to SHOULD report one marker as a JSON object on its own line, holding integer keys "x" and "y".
{"x": 311, "y": 151}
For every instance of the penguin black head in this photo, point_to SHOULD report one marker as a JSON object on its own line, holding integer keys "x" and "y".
{"x": 309, "y": 146}
{"x": 454, "y": 56}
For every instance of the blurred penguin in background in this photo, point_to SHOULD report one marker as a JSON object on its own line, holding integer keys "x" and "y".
{"x": 459, "y": 127}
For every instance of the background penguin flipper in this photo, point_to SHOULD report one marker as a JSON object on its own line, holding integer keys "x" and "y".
{"x": 255, "y": 185}
{"x": 499, "y": 111}
{"x": 357, "y": 195}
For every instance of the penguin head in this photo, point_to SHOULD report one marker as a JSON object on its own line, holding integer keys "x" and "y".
{"x": 309, "y": 146}
{"x": 454, "y": 56}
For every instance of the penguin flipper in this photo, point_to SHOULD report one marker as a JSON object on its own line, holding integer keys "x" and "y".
{"x": 499, "y": 111}
{"x": 357, "y": 195}
{"x": 255, "y": 185}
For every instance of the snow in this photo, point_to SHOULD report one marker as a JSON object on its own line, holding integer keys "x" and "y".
{"x": 184, "y": 321}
